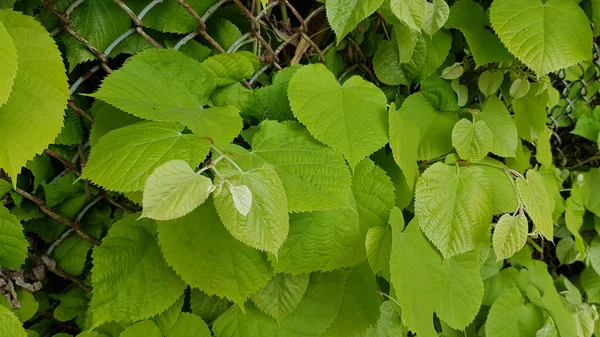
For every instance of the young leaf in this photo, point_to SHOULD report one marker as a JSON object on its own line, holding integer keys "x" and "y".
{"x": 165, "y": 85}
{"x": 131, "y": 280}
{"x": 537, "y": 203}
{"x": 189, "y": 325}
{"x": 282, "y": 295}
{"x": 143, "y": 328}
{"x": 468, "y": 17}
{"x": 510, "y": 235}
{"x": 435, "y": 16}
{"x": 509, "y": 316}
{"x": 404, "y": 142}
{"x": 504, "y": 131}
{"x": 489, "y": 82}
{"x": 546, "y": 36}
{"x": 462, "y": 92}
{"x": 311, "y": 318}
{"x": 406, "y": 42}
{"x": 266, "y": 223}
{"x": 351, "y": 118}
{"x": 453, "y": 72}
{"x": 374, "y": 194}
{"x": 13, "y": 245}
{"x": 9, "y": 324}
{"x": 411, "y": 12}
{"x": 345, "y": 15}
{"x": 530, "y": 114}
{"x": 207, "y": 257}
{"x": 378, "y": 247}
{"x": 519, "y": 88}
{"x": 314, "y": 176}
{"x": 472, "y": 141}
{"x": 39, "y": 93}
{"x": 453, "y": 206}
{"x": 172, "y": 17}
{"x": 124, "y": 158}
{"x": 8, "y": 63}
{"x": 173, "y": 190}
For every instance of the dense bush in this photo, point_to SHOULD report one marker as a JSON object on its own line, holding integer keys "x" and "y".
{"x": 351, "y": 168}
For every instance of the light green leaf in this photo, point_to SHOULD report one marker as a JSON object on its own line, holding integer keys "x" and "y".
{"x": 468, "y": 17}
{"x": 189, "y": 325}
{"x": 144, "y": 328}
{"x": 167, "y": 319}
{"x": 106, "y": 119}
{"x": 404, "y": 140}
{"x": 472, "y": 141}
{"x": 510, "y": 235}
{"x": 411, "y": 12}
{"x": 8, "y": 63}
{"x": 519, "y": 88}
{"x": 500, "y": 123}
{"x": 314, "y": 176}
{"x": 378, "y": 246}
{"x": 281, "y": 295}
{"x": 546, "y": 36}
{"x": 39, "y": 94}
{"x": 242, "y": 198}
{"x": 537, "y": 203}
{"x": 453, "y": 72}
{"x": 509, "y": 316}
{"x": 207, "y": 257}
{"x": 323, "y": 240}
{"x": 124, "y": 158}
{"x": 13, "y": 245}
{"x": 454, "y": 207}
{"x": 351, "y": 118}
{"x": 224, "y": 32}
{"x": 530, "y": 114}
{"x": 590, "y": 281}
{"x": 173, "y": 190}
{"x": 543, "y": 153}
{"x": 360, "y": 307}
{"x": 462, "y": 92}
{"x": 313, "y": 315}
{"x": 435, "y": 127}
{"x": 374, "y": 194}
{"x": 165, "y": 85}
{"x": 406, "y": 41}
{"x": 230, "y": 68}
{"x": 131, "y": 280}
{"x": 345, "y": 15}
{"x": 435, "y": 16}
{"x": 594, "y": 254}
{"x": 490, "y": 81}
{"x": 100, "y": 22}
{"x": 9, "y": 324}
{"x": 588, "y": 125}
{"x": 266, "y": 224}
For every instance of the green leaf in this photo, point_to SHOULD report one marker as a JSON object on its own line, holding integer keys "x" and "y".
{"x": 100, "y": 22}
{"x": 171, "y": 17}
{"x": 131, "y": 279}
{"x": 453, "y": 72}
{"x": 543, "y": 153}
{"x": 190, "y": 326}
{"x": 39, "y": 94}
{"x": 71, "y": 254}
{"x": 165, "y": 85}
{"x": 588, "y": 125}
{"x": 9, "y": 64}
{"x": 351, "y": 118}
{"x": 405, "y": 41}
{"x": 230, "y": 68}
{"x": 266, "y": 225}
{"x": 313, "y": 315}
{"x": 208, "y": 307}
{"x": 490, "y": 81}
{"x": 5, "y": 187}
{"x": 530, "y": 114}
{"x": 173, "y": 190}
{"x": 519, "y": 88}
{"x": 144, "y": 328}
{"x": 29, "y": 305}
{"x": 72, "y": 131}
{"x": 546, "y": 36}
{"x": 389, "y": 323}
{"x": 504, "y": 131}
{"x": 207, "y": 257}
{"x": 106, "y": 119}
{"x": 435, "y": 17}
{"x": 322, "y": 241}
{"x": 510, "y": 235}
{"x": 468, "y": 17}
{"x": 224, "y": 32}
{"x": 411, "y": 12}
{"x": 124, "y": 158}
{"x": 374, "y": 194}
{"x": 435, "y": 127}
{"x": 281, "y": 295}
{"x": 537, "y": 203}
{"x": 13, "y": 245}
{"x": 65, "y": 187}
{"x": 314, "y": 176}
{"x": 454, "y": 207}
{"x": 404, "y": 137}
{"x": 345, "y": 15}
{"x": 360, "y": 307}
{"x": 509, "y": 316}
{"x": 9, "y": 324}
{"x": 271, "y": 102}
{"x": 590, "y": 281}
{"x": 472, "y": 141}
{"x": 72, "y": 304}
{"x": 378, "y": 246}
